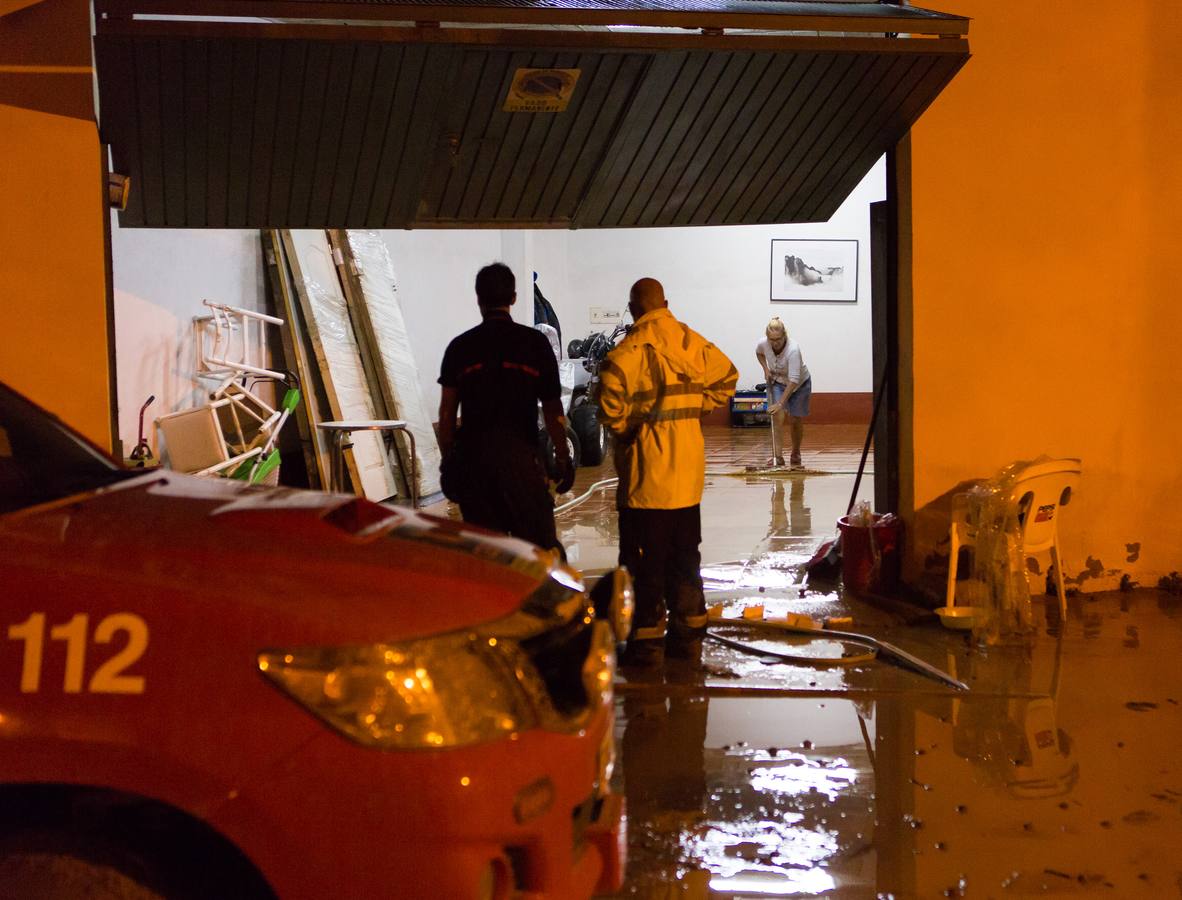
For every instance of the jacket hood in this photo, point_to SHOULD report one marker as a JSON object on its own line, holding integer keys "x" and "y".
{"x": 680, "y": 346}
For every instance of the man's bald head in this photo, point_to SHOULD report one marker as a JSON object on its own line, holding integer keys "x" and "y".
{"x": 645, "y": 296}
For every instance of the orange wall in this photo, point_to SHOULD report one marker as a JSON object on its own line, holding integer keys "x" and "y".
{"x": 52, "y": 268}
{"x": 1047, "y": 217}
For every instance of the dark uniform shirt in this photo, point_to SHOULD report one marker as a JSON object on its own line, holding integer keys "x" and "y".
{"x": 501, "y": 370}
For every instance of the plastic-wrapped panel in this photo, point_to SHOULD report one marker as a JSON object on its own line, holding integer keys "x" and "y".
{"x": 380, "y": 294}
{"x": 332, "y": 336}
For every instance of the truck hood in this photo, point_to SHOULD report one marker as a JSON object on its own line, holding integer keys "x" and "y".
{"x": 333, "y": 566}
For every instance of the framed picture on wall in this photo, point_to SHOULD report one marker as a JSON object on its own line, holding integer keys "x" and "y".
{"x": 816, "y": 271}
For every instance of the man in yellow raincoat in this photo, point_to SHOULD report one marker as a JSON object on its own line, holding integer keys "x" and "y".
{"x": 654, "y": 389}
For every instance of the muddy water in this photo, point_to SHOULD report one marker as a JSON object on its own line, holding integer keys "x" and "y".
{"x": 1057, "y": 773}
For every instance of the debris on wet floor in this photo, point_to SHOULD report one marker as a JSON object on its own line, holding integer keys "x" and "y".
{"x": 749, "y": 777}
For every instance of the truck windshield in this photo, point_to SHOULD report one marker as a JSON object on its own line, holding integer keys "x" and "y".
{"x": 41, "y": 459}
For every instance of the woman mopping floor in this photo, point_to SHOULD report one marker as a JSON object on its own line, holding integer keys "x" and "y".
{"x": 789, "y": 388}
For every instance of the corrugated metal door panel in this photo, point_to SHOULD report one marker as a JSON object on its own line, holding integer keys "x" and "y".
{"x": 172, "y": 129}
{"x": 620, "y": 167}
{"x": 754, "y": 114}
{"x": 933, "y": 81}
{"x": 787, "y": 116}
{"x": 265, "y": 132}
{"x": 849, "y": 144}
{"x": 591, "y": 136}
{"x": 514, "y": 150}
{"x": 858, "y": 83}
{"x": 289, "y": 110}
{"x": 410, "y": 139}
{"x": 355, "y": 121}
{"x": 702, "y": 137}
{"x": 245, "y": 86}
{"x": 330, "y": 139}
{"x": 147, "y": 117}
{"x": 501, "y": 129}
{"x": 682, "y": 109}
{"x": 306, "y": 137}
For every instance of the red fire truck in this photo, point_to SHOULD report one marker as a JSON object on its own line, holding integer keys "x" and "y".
{"x": 214, "y": 690}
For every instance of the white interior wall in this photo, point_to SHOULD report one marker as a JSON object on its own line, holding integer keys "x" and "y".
{"x": 717, "y": 282}
{"x": 161, "y": 277}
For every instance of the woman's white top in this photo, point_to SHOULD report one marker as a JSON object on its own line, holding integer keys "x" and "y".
{"x": 787, "y": 365}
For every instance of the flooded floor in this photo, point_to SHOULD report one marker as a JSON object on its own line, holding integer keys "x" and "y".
{"x": 1057, "y": 773}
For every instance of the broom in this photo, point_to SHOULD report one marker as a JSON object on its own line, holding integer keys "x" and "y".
{"x": 825, "y": 565}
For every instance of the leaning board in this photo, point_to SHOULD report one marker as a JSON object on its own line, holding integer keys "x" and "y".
{"x": 327, "y": 318}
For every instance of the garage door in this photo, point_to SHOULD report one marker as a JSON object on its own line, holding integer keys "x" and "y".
{"x": 586, "y": 114}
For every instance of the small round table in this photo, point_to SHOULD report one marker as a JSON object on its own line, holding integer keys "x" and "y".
{"x": 340, "y": 432}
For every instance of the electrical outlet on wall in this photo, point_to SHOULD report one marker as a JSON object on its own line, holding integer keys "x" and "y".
{"x": 603, "y": 315}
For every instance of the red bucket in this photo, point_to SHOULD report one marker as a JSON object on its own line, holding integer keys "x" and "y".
{"x": 870, "y": 556}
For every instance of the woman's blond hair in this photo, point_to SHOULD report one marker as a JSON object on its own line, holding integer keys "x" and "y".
{"x": 775, "y": 327}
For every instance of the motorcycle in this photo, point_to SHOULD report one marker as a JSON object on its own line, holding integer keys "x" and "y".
{"x": 583, "y": 412}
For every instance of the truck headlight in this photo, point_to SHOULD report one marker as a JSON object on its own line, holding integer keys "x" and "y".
{"x": 446, "y": 691}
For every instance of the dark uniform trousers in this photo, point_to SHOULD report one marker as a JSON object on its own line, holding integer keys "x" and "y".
{"x": 660, "y": 549}
{"x": 503, "y": 488}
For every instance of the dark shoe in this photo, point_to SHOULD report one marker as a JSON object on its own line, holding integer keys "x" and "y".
{"x": 642, "y": 654}
{"x": 690, "y": 649}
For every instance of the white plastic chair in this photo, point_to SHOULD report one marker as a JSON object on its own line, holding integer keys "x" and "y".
{"x": 1035, "y": 498}
{"x": 196, "y": 443}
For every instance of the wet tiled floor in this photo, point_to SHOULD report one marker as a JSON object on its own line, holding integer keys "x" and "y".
{"x": 1056, "y": 773}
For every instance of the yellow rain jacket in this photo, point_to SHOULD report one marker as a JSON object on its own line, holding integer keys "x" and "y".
{"x": 654, "y": 388}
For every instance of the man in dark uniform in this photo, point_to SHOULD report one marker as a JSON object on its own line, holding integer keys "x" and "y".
{"x": 494, "y": 375}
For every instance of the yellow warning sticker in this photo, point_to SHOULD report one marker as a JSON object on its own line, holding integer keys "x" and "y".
{"x": 541, "y": 90}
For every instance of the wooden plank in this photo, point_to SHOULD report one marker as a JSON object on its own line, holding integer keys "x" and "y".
{"x": 220, "y": 63}
{"x": 856, "y": 88}
{"x": 702, "y": 110}
{"x": 266, "y": 113}
{"x": 196, "y": 126}
{"x": 314, "y": 96}
{"x": 730, "y": 127}
{"x": 147, "y": 83}
{"x": 285, "y": 306}
{"x": 853, "y": 143}
{"x": 357, "y": 125}
{"x": 287, "y": 128}
{"x": 381, "y": 392}
{"x": 339, "y": 366}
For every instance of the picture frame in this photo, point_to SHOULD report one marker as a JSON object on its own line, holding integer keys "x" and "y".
{"x": 812, "y": 270}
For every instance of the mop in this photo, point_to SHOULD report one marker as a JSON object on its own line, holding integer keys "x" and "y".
{"x": 776, "y": 454}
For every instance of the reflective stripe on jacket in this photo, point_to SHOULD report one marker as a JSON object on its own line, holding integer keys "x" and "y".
{"x": 654, "y": 388}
